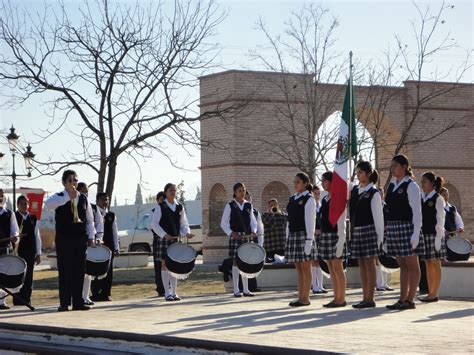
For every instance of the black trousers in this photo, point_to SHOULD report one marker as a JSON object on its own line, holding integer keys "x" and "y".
{"x": 423, "y": 285}
{"x": 157, "y": 265}
{"x": 71, "y": 256}
{"x": 103, "y": 287}
{"x": 25, "y": 291}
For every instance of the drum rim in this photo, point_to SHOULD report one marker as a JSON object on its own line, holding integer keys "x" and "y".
{"x": 17, "y": 258}
{"x": 175, "y": 245}
{"x": 101, "y": 247}
{"x": 254, "y": 245}
{"x": 464, "y": 240}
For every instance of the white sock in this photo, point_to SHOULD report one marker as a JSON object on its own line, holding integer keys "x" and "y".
{"x": 384, "y": 279}
{"x": 174, "y": 285}
{"x": 314, "y": 277}
{"x": 165, "y": 278}
{"x": 379, "y": 276}
{"x": 3, "y": 301}
{"x": 319, "y": 278}
{"x": 86, "y": 287}
{"x": 235, "y": 279}
{"x": 245, "y": 284}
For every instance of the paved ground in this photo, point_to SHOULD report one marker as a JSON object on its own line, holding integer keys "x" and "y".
{"x": 444, "y": 327}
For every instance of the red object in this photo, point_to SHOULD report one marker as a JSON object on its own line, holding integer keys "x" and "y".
{"x": 35, "y": 196}
{"x": 338, "y": 201}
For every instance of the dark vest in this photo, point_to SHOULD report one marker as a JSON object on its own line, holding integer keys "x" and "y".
{"x": 240, "y": 219}
{"x": 5, "y": 224}
{"x": 65, "y": 226}
{"x": 360, "y": 207}
{"x": 398, "y": 207}
{"x": 109, "y": 219}
{"x": 450, "y": 220}
{"x": 152, "y": 231}
{"x": 170, "y": 221}
{"x": 295, "y": 209}
{"x": 326, "y": 226}
{"x": 428, "y": 211}
{"x": 27, "y": 226}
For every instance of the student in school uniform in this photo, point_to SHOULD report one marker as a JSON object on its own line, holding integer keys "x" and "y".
{"x": 331, "y": 246}
{"x": 74, "y": 232}
{"x": 453, "y": 222}
{"x": 404, "y": 237}
{"x": 366, "y": 215}
{"x": 433, "y": 216}
{"x": 9, "y": 233}
{"x": 168, "y": 222}
{"x": 29, "y": 247}
{"x": 99, "y": 228}
{"x": 300, "y": 243}
{"x": 101, "y": 289}
{"x": 316, "y": 272}
{"x": 382, "y": 274}
{"x": 156, "y": 243}
{"x": 238, "y": 222}
{"x": 274, "y": 222}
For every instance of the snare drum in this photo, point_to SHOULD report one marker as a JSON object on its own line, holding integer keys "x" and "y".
{"x": 458, "y": 249}
{"x": 250, "y": 259}
{"x": 12, "y": 272}
{"x": 98, "y": 261}
{"x": 180, "y": 260}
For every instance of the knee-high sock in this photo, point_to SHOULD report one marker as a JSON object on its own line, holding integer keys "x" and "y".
{"x": 245, "y": 284}
{"x": 174, "y": 285}
{"x": 319, "y": 278}
{"x": 86, "y": 287}
{"x": 235, "y": 279}
{"x": 165, "y": 278}
{"x": 384, "y": 278}
{"x": 379, "y": 276}
{"x": 314, "y": 278}
{"x": 3, "y": 300}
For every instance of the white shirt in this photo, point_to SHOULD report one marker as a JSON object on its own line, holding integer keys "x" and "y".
{"x": 225, "y": 220}
{"x": 440, "y": 214}
{"x": 99, "y": 224}
{"x": 14, "y": 230}
{"x": 103, "y": 212}
{"x": 37, "y": 232}
{"x": 414, "y": 200}
{"x": 57, "y": 200}
{"x": 156, "y": 217}
{"x": 309, "y": 215}
{"x": 457, "y": 217}
{"x": 376, "y": 207}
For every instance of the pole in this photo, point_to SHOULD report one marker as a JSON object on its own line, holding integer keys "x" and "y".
{"x": 14, "y": 184}
{"x": 350, "y": 116}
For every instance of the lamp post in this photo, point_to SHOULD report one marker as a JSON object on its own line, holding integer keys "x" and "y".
{"x": 28, "y": 155}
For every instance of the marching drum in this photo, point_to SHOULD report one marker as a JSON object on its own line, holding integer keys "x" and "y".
{"x": 98, "y": 261}
{"x": 325, "y": 268}
{"x": 390, "y": 264}
{"x": 250, "y": 259}
{"x": 12, "y": 272}
{"x": 180, "y": 260}
{"x": 458, "y": 249}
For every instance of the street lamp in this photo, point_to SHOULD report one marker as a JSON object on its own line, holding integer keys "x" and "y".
{"x": 28, "y": 155}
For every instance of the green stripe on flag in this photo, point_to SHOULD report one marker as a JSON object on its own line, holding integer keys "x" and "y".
{"x": 348, "y": 116}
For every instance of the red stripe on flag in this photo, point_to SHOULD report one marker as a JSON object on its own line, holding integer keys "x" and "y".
{"x": 338, "y": 201}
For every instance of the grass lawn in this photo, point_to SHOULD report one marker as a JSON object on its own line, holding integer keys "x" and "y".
{"x": 132, "y": 283}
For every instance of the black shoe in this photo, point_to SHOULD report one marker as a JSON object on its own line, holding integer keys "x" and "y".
{"x": 364, "y": 304}
{"x": 380, "y": 289}
{"x": 3, "y": 307}
{"x": 248, "y": 294}
{"x": 335, "y": 305}
{"x": 396, "y": 306}
{"x": 95, "y": 298}
{"x": 388, "y": 288}
{"x": 89, "y": 303}
{"x": 318, "y": 292}
{"x": 81, "y": 308}
{"x": 63, "y": 308}
{"x": 176, "y": 298}
{"x": 169, "y": 298}
{"x": 299, "y": 304}
{"x": 328, "y": 305}
{"x": 237, "y": 295}
{"x": 429, "y": 300}
{"x": 407, "y": 305}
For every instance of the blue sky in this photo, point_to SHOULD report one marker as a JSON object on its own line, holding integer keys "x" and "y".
{"x": 366, "y": 28}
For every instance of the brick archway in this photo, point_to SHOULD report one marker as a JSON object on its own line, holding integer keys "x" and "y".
{"x": 217, "y": 201}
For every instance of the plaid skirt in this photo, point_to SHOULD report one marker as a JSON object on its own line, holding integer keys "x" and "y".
{"x": 161, "y": 248}
{"x": 430, "y": 250}
{"x": 327, "y": 246}
{"x": 398, "y": 236}
{"x": 294, "y": 251}
{"x": 234, "y": 245}
{"x": 363, "y": 242}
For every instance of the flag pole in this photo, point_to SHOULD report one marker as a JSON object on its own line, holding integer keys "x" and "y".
{"x": 348, "y": 221}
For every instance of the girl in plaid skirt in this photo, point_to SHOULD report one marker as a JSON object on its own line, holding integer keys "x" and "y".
{"x": 331, "y": 244}
{"x": 300, "y": 245}
{"x": 238, "y": 222}
{"x": 168, "y": 222}
{"x": 432, "y": 208}
{"x": 403, "y": 233}
{"x": 366, "y": 213}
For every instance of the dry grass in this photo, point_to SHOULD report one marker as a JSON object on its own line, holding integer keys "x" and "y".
{"x": 132, "y": 283}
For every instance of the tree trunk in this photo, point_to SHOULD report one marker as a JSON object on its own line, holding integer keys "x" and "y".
{"x": 109, "y": 189}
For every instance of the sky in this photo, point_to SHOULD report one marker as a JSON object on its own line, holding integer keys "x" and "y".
{"x": 366, "y": 28}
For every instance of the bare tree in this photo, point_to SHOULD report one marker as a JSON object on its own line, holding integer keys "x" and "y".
{"x": 119, "y": 77}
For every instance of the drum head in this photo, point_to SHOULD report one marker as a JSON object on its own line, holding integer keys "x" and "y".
{"x": 251, "y": 253}
{"x": 181, "y": 253}
{"x": 98, "y": 253}
{"x": 12, "y": 265}
{"x": 459, "y": 245}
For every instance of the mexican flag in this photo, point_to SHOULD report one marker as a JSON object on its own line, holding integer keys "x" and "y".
{"x": 346, "y": 148}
